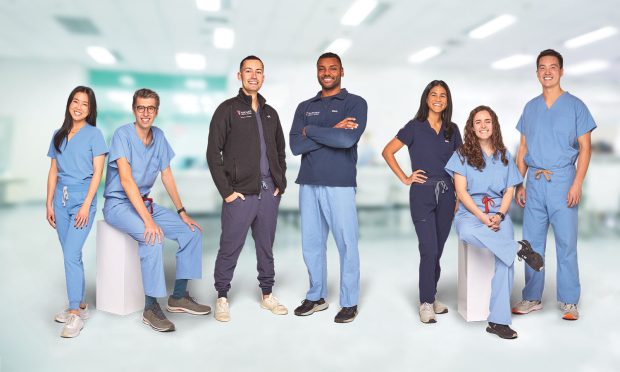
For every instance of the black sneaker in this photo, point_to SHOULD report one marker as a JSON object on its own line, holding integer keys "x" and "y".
{"x": 502, "y": 331}
{"x": 532, "y": 259}
{"x": 308, "y": 307}
{"x": 346, "y": 314}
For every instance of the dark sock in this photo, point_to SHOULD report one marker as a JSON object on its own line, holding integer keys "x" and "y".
{"x": 222, "y": 294}
{"x": 149, "y": 301}
{"x": 266, "y": 291}
{"x": 180, "y": 287}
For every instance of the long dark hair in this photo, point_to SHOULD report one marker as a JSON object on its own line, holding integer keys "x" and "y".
{"x": 471, "y": 150}
{"x": 446, "y": 114}
{"x": 67, "y": 124}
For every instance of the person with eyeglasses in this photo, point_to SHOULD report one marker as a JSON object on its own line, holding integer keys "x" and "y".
{"x": 139, "y": 152}
{"x": 246, "y": 157}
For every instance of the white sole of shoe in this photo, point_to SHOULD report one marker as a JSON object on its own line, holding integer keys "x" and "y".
{"x": 320, "y": 307}
{"x": 281, "y": 312}
{"x": 146, "y": 321}
{"x": 64, "y": 334}
{"x": 220, "y": 319}
{"x": 173, "y": 309}
{"x": 533, "y": 308}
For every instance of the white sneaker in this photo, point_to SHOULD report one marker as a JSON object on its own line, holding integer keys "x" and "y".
{"x": 222, "y": 313}
{"x": 63, "y": 316}
{"x": 570, "y": 311}
{"x": 439, "y": 307}
{"x": 525, "y": 306}
{"x": 273, "y": 304}
{"x": 427, "y": 314}
{"x": 73, "y": 326}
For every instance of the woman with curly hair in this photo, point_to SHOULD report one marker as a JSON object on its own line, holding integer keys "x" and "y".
{"x": 485, "y": 177}
{"x": 431, "y": 138}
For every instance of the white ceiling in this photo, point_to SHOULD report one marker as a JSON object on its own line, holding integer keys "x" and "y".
{"x": 147, "y": 34}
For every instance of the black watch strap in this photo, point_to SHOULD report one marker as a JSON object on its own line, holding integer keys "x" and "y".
{"x": 183, "y": 210}
{"x": 501, "y": 215}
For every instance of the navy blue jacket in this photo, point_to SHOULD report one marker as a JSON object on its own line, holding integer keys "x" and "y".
{"x": 328, "y": 155}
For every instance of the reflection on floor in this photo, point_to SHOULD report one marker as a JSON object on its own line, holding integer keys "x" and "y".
{"x": 386, "y": 336}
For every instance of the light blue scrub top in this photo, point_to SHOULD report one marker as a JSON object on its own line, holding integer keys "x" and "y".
{"x": 551, "y": 134}
{"x": 75, "y": 161}
{"x": 146, "y": 161}
{"x": 492, "y": 181}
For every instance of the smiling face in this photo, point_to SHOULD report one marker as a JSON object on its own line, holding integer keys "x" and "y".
{"x": 251, "y": 76}
{"x": 549, "y": 71}
{"x": 79, "y": 108}
{"x": 329, "y": 73}
{"x": 145, "y": 111}
{"x": 437, "y": 99}
{"x": 483, "y": 125}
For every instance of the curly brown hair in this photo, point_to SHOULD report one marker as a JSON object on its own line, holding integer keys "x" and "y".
{"x": 471, "y": 151}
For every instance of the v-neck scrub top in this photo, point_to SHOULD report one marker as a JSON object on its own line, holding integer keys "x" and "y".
{"x": 551, "y": 133}
{"x": 146, "y": 162}
{"x": 491, "y": 181}
{"x": 429, "y": 150}
{"x": 75, "y": 159}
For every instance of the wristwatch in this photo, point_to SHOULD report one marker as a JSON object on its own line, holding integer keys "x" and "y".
{"x": 501, "y": 215}
{"x": 183, "y": 210}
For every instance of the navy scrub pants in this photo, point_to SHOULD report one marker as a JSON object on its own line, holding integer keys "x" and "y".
{"x": 432, "y": 211}
{"x": 260, "y": 212}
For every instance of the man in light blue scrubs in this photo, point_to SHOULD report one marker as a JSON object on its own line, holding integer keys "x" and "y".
{"x": 138, "y": 153}
{"x": 555, "y": 131}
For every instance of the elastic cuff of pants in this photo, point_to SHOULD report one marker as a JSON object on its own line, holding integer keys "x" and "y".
{"x": 266, "y": 291}
{"x": 222, "y": 294}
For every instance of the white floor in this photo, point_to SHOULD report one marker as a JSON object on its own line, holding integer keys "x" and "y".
{"x": 386, "y": 336}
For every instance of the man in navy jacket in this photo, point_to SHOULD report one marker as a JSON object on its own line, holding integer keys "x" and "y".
{"x": 325, "y": 131}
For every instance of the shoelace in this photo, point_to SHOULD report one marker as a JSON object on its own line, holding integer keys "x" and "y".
{"x": 190, "y": 298}
{"x": 569, "y": 307}
{"x": 73, "y": 319}
{"x": 427, "y": 306}
{"x": 157, "y": 311}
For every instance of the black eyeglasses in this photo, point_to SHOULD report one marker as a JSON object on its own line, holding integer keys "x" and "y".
{"x": 149, "y": 109}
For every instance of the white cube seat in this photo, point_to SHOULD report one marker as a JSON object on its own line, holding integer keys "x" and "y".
{"x": 476, "y": 270}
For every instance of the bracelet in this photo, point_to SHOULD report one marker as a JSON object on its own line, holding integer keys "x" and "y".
{"x": 179, "y": 211}
{"x": 501, "y": 215}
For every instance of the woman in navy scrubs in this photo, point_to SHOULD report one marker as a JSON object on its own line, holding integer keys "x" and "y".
{"x": 431, "y": 138}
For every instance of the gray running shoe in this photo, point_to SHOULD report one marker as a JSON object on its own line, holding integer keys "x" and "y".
{"x": 187, "y": 304}
{"x": 525, "y": 306}
{"x": 63, "y": 316}
{"x": 155, "y": 318}
{"x": 73, "y": 326}
{"x": 569, "y": 311}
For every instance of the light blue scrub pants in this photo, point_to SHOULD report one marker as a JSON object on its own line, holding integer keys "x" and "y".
{"x": 67, "y": 203}
{"x": 546, "y": 203}
{"x": 124, "y": 217}
{"x": 325, "y": 208}
{"x": 504, "y": 247}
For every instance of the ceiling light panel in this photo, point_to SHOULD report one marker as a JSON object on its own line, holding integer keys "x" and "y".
{"x": 223, "y": 38}
{"x": 425, "y": 54}
{"x": 493, "y": 26}
{"x": 101, "y": 55}
{"x": 514, "y": 61}
{"x": 591, "y": 37}
{"x": 358, "y": 12}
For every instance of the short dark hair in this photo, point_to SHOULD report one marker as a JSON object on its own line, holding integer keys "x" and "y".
{"x": 250, "y": 58}
{"x": 552, "y": 53}
{"x": 330, "y": 55}
{"x": 145, "y": 93}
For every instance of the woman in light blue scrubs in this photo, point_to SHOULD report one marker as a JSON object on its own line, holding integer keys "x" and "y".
{"x": 77, "y": 151}
{"x": 484, "y": 178}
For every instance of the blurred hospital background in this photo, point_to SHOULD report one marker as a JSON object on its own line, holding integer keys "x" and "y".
{"x": 189, "y": 52}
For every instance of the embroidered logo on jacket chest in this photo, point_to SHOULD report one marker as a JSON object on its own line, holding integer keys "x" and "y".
{"x": 244, "y": 114}
{"x": 313, "y": 113}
